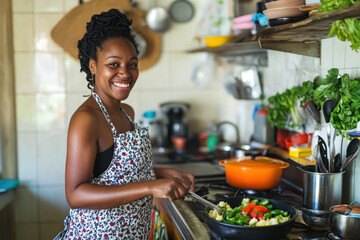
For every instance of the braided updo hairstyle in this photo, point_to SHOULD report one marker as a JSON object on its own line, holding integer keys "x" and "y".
{"x": 103, "y": 26}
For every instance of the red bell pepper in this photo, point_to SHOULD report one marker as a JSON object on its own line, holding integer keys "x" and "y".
{"x": 260, "y": 208}
{"x": 251, "y": 205}
{"x": 260, "y": 217}
{"x": 253, "y": 214}
{"x": 245, "y": 210}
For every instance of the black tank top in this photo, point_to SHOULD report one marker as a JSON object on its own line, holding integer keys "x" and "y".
{"x": 102, "y": 161}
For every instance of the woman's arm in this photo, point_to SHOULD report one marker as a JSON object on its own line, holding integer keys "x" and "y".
{"x": 81, "y": 154}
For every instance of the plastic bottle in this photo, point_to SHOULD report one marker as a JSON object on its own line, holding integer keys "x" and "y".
{"x": 149, "y": 120}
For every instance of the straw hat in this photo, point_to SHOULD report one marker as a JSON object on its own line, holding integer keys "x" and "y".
{"x": 71, "y": 28}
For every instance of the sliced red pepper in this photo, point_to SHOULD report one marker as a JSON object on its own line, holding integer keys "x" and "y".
{"x": 260, "y": 217}
{"x": 253, "y": 214}
{"x": 245, "y": 210}
{"x": 260, "y": 208}
{"x": 251, "y": 205}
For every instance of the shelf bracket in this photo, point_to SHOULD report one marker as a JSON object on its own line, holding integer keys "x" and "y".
{"x": 308, "y": 48}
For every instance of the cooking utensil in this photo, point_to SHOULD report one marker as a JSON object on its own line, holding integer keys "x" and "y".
{"x": 337, "y": 163}
{"x": 157, "y": 19}
{"x": 319, "y": 162}
{"x": 316, "y": 219}
{"x": 235, "y": 232}
{"x": 352, "y": 152}
{"x": 310, "y": 108}
{"x": 259, "y": 173}
{"x": 204, "y": 201}
{"x": 328, "y": 107}
{"x": 141, "y": 42}
{"x": 344, "y": 226}
{"x": 181, "y": 11}
{"x": 323, "y": 153}
{"x": 228, "y": 150}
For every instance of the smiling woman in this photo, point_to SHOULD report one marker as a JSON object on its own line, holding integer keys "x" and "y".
{"x": 110, "y": 180}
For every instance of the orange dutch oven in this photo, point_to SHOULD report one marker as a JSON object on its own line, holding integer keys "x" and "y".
{"x": 260, "y": 173}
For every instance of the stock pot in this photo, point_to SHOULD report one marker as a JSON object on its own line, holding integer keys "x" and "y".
{"x": 255, "y": 173}
{"x": 343, "y": 224}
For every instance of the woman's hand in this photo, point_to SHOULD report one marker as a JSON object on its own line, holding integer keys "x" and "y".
{"x": 172, "y": 188}
{"x": 189, "y": 178}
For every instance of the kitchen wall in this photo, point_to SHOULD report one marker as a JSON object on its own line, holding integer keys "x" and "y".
{"x": 49, "y": 87}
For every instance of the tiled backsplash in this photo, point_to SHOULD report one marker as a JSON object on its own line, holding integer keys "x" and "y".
{"x": 49, "y": 87}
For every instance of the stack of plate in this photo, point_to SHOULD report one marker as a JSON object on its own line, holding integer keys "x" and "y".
{"x": 284, "y": 11}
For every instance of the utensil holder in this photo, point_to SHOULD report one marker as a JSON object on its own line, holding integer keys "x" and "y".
{"x": 321, "y": 190}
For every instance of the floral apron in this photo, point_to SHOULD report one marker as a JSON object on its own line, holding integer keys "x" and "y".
{"x": 131, "y": 162}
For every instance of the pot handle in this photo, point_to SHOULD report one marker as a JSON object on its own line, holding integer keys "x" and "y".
{"x": 222, "y": 163}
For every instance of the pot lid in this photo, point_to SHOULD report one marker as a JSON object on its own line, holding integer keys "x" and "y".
{"x": 258, "y": 162}
{"x": 71, "y": 28}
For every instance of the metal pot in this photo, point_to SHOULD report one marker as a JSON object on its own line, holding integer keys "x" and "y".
{"x": 158, "y": 19}
{"x": 343, "y": 225}
{"x": 230, "y": 231}
{"x": 259, "y": 173}
{"x": 228, "y": 150}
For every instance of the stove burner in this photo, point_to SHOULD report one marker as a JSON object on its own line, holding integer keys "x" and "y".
{"x": 332, "y": 236}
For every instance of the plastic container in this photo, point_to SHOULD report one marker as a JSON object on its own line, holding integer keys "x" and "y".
{"x": 299, "y": 139}
{"x": 149, "y": 120}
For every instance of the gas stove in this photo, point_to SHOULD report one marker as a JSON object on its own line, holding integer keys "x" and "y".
{"x": 217, "y": 189}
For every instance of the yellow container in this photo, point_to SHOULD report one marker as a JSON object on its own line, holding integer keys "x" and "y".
{"x": 217, "y": 41}
{"x": 300, "y": 152}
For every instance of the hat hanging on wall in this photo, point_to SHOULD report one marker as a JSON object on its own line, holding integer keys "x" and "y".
{"x": 71, "y": 28}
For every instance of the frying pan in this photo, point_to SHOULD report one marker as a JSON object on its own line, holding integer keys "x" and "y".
{"x": 231, "y": 231}
{"x": 181, "y": 11}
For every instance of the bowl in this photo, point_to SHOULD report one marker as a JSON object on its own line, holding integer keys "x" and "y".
{"x": 284, "y": 3}
{"x": 281, "y": 21}
{"x": 217, "y": 41}
{"x": 284, "y": 12}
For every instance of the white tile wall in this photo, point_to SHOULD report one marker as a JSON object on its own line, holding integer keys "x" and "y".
{"x": 49, "y": 88}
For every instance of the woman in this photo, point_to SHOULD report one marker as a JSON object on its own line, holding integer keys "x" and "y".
{"x": 110, "y": 180}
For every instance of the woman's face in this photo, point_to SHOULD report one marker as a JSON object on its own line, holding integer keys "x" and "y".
{"x": 116, "y": 69}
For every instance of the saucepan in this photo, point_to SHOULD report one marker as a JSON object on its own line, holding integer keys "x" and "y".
{"x": 231, "y": 231}
{"x": 256, "y": 173}
{"x": 345, "y": 221}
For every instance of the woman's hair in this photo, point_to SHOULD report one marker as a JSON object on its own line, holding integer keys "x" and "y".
{"x": 103, "y": 26}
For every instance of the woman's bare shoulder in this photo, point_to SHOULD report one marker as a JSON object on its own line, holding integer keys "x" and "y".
{"x": 86, "y": 115}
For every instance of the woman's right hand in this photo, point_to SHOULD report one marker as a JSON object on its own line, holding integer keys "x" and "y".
{"x": 172, "y": 188}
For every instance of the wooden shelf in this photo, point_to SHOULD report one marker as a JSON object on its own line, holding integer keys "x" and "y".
{"x": 303, "y": 37}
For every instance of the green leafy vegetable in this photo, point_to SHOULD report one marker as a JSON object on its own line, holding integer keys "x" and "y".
{"x": 345, "y": 91}
{"x": 282, "y": 105}
{"x": 346, "y": 29}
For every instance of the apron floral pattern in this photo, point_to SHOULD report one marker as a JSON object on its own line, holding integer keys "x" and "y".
{"x": 131, "y": 162}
